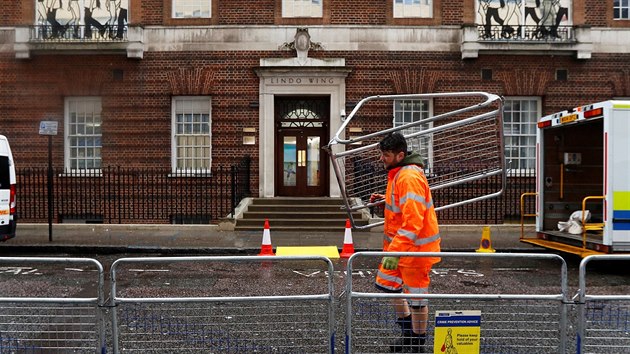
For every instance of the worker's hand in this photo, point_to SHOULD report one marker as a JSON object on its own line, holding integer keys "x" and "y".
{"x": 390, "y": 263}
{"x": 376, "y": 197}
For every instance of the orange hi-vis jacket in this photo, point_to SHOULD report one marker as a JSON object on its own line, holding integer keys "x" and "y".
{"x": 410, "y": 221}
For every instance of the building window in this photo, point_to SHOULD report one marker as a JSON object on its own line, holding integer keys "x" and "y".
{"x": 302, "y": 8}
{"x": 192, "y": 8}
{"x": 413, "y": 8}
{"x": 519, "y": 124}
{"x": 191, "y": 134}
{"x": 83, "y": 133}
{"x": 621, "y": 9}
{"x": 409, "y": 111}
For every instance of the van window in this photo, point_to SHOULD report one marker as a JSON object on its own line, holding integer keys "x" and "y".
{"x": 5, "y": 181}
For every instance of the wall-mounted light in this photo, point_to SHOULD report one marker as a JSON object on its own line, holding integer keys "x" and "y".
{"x": 342, "y": 114}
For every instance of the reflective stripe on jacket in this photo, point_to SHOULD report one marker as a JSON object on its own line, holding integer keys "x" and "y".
{"x": 410, "y": 221}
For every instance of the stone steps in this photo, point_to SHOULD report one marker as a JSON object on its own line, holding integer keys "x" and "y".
{"x": 296, "y": 214}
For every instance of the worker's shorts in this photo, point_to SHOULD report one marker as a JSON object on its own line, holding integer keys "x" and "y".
{"x": 408, "y": 280}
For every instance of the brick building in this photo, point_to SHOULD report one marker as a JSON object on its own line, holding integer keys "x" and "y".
{"x": 184, "y": 86}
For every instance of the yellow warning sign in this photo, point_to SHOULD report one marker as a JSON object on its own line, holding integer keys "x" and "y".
{"x": 457, "y": 332}
{"x": 326, "y": 251}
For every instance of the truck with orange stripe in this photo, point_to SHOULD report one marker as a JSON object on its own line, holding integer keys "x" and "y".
{"x": 582, "y": 198}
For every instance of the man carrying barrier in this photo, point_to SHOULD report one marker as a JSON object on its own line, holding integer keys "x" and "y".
{"x": 410, "y": 226}
{"x": 462, "y": 146}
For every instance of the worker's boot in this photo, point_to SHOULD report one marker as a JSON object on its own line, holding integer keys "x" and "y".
{"x": 409, "y": 342}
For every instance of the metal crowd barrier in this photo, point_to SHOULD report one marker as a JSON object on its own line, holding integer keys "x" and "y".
{"x": 216, "y": 314}
{"x": 461, "y": 147}
{"x": 604, "y": 319}
{"x": 510, "y": 321}
{"x": 35, "y": 318}
{"x": 188, "y": 304}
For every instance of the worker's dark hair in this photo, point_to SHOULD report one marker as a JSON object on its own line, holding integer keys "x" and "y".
{"x": 394, "y": 142}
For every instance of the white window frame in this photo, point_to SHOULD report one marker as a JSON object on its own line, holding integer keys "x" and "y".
{"x": 204, "y": 7}
{"x": 412, "y": 8}
{"x": 619, "y": 7}
{"x": 425, "y": 151}
{"x": 191, "y": 105}
{"x": 521, "y": 130}
{"x": 93, "y": 134}
{"x": 302, "y": 8}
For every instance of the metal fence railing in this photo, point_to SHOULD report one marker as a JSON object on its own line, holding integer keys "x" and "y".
{"x": 461, "y": 146}
{"x": 120, "y": 195}
{"x": 197, "y": 307}
{"x": 79, "y": 33}
{"x": 196, "y": 304}
{"x": 126, "y": 195}
{"x": 505, "y": 208}
{"x": 49, "y": 316}
{"x": 604, "y": 325}
{"x": 514, "y": 317}
{"x": 529, "y": 33}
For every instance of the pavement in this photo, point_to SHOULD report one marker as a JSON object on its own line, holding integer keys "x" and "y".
{"x": 215, "y": 239}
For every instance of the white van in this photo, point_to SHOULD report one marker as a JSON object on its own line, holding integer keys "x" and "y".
{"x": 8, "y": 216}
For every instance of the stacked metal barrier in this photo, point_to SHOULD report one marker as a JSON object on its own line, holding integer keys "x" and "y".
{"x": 462, "y": 146}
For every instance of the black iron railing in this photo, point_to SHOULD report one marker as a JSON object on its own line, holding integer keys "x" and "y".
{"x": 505, "y": 208}
{"x": 131, "y": 196}
{"x": 125, "y": 196}
{"x": 526, "y": 33}
{"x": 78, "y": 33}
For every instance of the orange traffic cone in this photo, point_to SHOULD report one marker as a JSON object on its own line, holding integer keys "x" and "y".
{"x": 265, "y": 249}
{"x": 348, "y": 247}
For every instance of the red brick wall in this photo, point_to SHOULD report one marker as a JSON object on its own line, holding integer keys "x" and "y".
{"x": 372, "y": 12}
{"x": 453, "y": 12}
{"x": 596, "y": 13}
{"x": 236, "y": 12}
{"x": 136, "y": 110}
{"x": 11, "y": 13}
